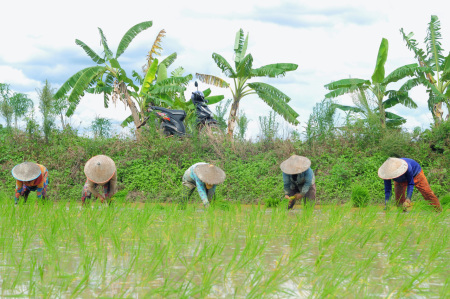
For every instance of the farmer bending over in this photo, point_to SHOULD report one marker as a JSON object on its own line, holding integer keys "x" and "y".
{"x": 100, "y": 171}
{"x": 406, "y": 174}
{"x": 30, "y": 177}
{"x": 299, "y": 180}
{"x": 205, "y": 177}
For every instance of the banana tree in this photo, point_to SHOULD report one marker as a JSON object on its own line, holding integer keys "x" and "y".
{"x": 243, "y": 72}
{"x": 106, "y": 77}
{"x": 436, "y": 78}
{"x": 378, "y": 87}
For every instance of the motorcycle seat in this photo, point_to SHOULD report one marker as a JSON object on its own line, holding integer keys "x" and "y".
{"x": 170, "y": 111}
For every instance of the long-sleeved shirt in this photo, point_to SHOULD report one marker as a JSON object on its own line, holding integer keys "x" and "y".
{"x": 205, "y": 194}
{"x": 111, "y": 187}
{"x": 36, "y": 184}
{"x": 413, "y": 170}
{"x": 303, "y": 181}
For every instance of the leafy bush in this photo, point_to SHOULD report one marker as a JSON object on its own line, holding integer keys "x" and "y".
{"x": 360, "y": 196}
{"x": 445, "y": 200}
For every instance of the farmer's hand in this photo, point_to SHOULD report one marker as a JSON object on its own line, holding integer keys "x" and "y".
{"x": 407, "y": 203}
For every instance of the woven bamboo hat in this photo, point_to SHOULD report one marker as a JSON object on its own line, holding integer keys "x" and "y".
{"x": 295, "y": 165}
{"x": 26, "y": 171}
{"x": 100, "y": 169}
{"x": 210, "y": 174}
{"x": 392, "y": 168}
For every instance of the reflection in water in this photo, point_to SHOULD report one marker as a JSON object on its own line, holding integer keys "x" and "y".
{"x": 243, "y": 251}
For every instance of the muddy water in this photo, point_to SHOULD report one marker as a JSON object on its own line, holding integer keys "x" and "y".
{"x": 243, "y": 252}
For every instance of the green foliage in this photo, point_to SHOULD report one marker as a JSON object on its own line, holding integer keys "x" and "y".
{"x": 378, "y": 88}
{"x": 101, "y": 127}
{"x": 268, "y": 127}
{"x": 445, "y": 201}
{"x": 435, "y": 75}
{"x": 46, "y": 104}
{"x": 244, "y": 71}
{"x": 321, "y": 122}
{"x": 360, "y": 196}
{"x": 242, "y": 124}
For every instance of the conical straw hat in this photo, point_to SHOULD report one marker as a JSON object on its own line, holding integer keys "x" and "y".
{"x": 295, "y": 165}
{"x": 392, "y": 168}
{"x": 210, "y": 174}
{"x": 100, "y": 169}
{"x": 26, "y": 171}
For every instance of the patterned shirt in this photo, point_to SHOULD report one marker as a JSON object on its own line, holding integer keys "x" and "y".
{"x": 413, "y": 170}
{"x": 303, "y": 181}
{"x": 37, "y": 184}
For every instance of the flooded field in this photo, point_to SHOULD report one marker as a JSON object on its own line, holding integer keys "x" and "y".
{"x": 149, "y": 250}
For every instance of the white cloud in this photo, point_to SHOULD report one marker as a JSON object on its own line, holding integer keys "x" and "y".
{"x": 345, "y": 45}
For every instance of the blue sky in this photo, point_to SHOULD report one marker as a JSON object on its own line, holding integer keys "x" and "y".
{"x": 329, "y": 40}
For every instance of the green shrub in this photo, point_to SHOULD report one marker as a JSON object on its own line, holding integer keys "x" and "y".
{"x": 360, "y": 196}
{"x": 445, "y": 200}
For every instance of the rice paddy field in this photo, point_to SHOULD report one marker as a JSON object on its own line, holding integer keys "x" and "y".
{"x": 60, "y": 249}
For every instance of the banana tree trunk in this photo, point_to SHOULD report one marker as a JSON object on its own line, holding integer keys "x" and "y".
{"x": 438, "y": 113}
{"x": 135, "y": 115}
{"x": 232, "y": 118}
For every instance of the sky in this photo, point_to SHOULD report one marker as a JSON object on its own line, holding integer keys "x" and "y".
{"x": 328, "y": 40}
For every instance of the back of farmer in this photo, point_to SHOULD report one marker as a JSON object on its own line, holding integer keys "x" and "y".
{"x": 298, "y": 180}
{"x": 30, "y": 177}
{"x": 205, "y": 177}
{"x": 100, "y": 170}
{"x": 406, "y": 174}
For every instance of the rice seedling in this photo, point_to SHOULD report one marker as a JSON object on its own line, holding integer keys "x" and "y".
{"x": 61, "y": 249}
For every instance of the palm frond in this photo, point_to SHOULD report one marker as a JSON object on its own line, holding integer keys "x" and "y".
{"x": 223, "y": 64}
{"x": 379, "y": 72}
{"x": 84, "y": 82}
{"x": 130, "y": 35}
{"x": 411, "y": 83}
{"x": 432, "y": 40}
{"x": 169, "y": 60}
{"x": 408, "y": 70}
{"x": 397, "y": 98}
{"x": 274, "y": 70}
{"x": 341, "y": 91}
{"x": 162, "y": 73}
{"x": 207, "y": 92}
{"x": 168, "y": 89}
{"x": 214, "y": 99}
{"x": 127, "y": 121}
{"x": 414, "y": 46}
{"x": 69, "y": 84}
{"x": 244, "y": 68}
{"x": 155, "y": 50}
{"x": 277, "y": 100}
{"x": 241, "y": 52}
{"x": 178, "y": 72}
{"x": 149, "y": 77}
{"x": 238, "y": 43}
{"x": 347, "y": 83}
{"x": 348, "y": 108}
{"x": 137, "y": 77}
{"x": 212, "y": 80}
{"x": 104, "y": 42}
{"x": 267, "y": 88}
{"x": 175, "y": 81}
{"x": 97, "y": 59}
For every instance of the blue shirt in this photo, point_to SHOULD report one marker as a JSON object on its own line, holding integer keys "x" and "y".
{"x": 303, "y": 181}
{"x": 204, "y": 193}
{"x": 413, "y": 170}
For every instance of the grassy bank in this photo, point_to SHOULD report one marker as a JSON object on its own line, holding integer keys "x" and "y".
{"x": 151, "y": 170}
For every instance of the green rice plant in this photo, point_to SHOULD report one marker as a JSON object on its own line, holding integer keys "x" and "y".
{"x": 360, "y": 196}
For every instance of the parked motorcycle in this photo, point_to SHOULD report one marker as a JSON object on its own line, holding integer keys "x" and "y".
{"x": 172, "y": 121}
